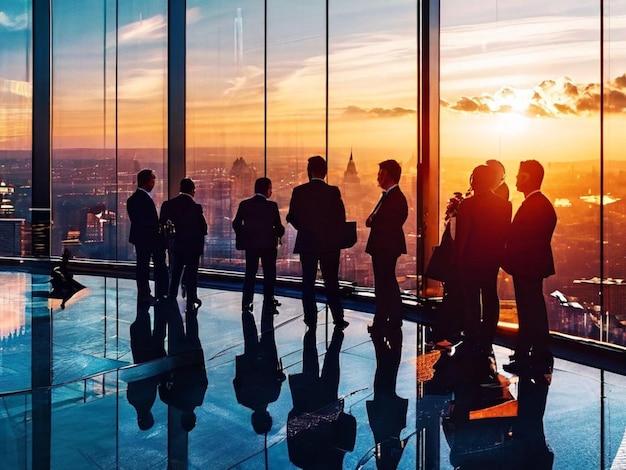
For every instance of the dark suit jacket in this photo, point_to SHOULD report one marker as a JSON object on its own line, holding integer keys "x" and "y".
{"x": 483, "y": 222}
{"x": 528, "y": 251}
{"x": 386, "y": 234}
{"x": 257, "y": 224}
{"x": 189, "y": 222}
{"x": 317, "y": 212}
{"x": 144, "y": 220}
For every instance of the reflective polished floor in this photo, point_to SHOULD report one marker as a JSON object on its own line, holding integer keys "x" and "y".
{"x": 105, "y": 383}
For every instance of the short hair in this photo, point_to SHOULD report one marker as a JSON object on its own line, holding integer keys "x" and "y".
{"x": 534, "y": 169}
{"x": 261, "y": 185}
{"x": 482, "y": 178}
{"x": 187, "y": 185}
{"x": 393, "y": 168}
{"x": 146, "y": 421}
{"x": 188, "y": 420}
{"x": 144, "y": 177}
{"x": 261, "y": 421}
{"x": 317, "y": 166}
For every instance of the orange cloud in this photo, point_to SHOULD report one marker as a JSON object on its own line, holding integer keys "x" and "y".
{"x": 356, "y": 112}
{"x": 550, "y": 98}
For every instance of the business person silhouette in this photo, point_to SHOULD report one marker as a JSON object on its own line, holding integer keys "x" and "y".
{"x": 482, "y": 226}
{"x": 148, "y": 241}
{"x": 528, "y": 259}
{"x": 258, "y": 230}
{"x": 316, "y": 211}
{"x": 188, "y": 243}
{"x": 385, "y": 244}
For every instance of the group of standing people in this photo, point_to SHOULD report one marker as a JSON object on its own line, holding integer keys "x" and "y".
{"x": 179, "y": 229}
{"x": 484, "y": 240}
{"x": 317, "y": 212}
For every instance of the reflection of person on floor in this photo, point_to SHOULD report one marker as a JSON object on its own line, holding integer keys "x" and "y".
{"x": 258, "y": 371}
{"x": 387, "y": 411}
{"x": 529, "y": 441}
{"x": 319, "y": 433}
{"x": 64, "y": 286}
{"x": 146, "y": 345}
{"x": 258, "y": 230}
{"x": 144, "y": 234}
{"x": 185, "y": 386}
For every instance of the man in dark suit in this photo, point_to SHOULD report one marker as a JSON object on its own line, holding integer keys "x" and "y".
{"x": 528, "y": 259}
{"x": 188, "y": 243}
{"x": 385, "y": 245}
{"x": 482, "y": 227}
{"x": 258, "y": 229}
{"x": 144, "y": 234}
{"x": 316, "y": 211}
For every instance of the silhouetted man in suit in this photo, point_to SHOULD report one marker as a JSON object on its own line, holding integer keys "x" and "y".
{"x": 188, "y": 243}
{"x": 319, "y": 432}
{"x": 258, "y": 371}
{"x": 482, "y": 227}
{"x": 144, "y": 234}
{"x": 528, "y": 259}
{"x": 258, "y": 229}
{"x": 385, "y": 245}
{"x": 317, "y": 212}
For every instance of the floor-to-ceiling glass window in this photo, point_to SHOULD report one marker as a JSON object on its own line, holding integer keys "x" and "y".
{"x": 519, "y": 82}
{"x": 372, "y": 117}
{"x": 15, "y": 127}
{"x": 225, "y": 108}
{"x": 296, "y": 104}
{"x": 613, "y": 326}
{"x": 108, "y": 121}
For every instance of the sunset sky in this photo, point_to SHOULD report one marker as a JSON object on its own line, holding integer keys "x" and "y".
{"x": 518, "y": 78}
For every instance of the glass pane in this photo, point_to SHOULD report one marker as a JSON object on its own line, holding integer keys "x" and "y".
{"x": 225, "y": 128}
{"x": 296, "y": 91}
{"x": 372, "y": 117}
{"x": 519, "y": 82}
{"x": 614, "y": 307}
{"x": 15, "y": 127}
{"x": 109, "y": 113}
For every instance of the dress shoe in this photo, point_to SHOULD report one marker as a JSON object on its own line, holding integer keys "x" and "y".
{"x": 341, "y": 325}
{"x": 518, "y": 367}
{"x": 147, "y": 298}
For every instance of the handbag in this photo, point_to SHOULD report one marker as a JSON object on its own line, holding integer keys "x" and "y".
{"x": 440, "y": 264}
{"x": 347, "y": 236}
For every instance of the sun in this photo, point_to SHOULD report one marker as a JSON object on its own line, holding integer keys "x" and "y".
{"x": 512, "y": 123}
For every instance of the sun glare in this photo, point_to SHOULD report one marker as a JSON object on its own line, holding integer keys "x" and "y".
{"x": 511, "y": 123}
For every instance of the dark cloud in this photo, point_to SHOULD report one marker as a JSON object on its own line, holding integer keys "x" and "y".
{"x": 620, "y": 82}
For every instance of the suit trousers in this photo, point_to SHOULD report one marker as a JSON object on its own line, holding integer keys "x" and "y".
{"x": 534, "y": 333}
{"x": 189, "y": 261}
{"x": 142, "y": 271}
{"x": 481, "y": 305}
{"x": 268, "y": 263}
{"x": 329, "y": 265}
{"x": 387, "y": 291}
